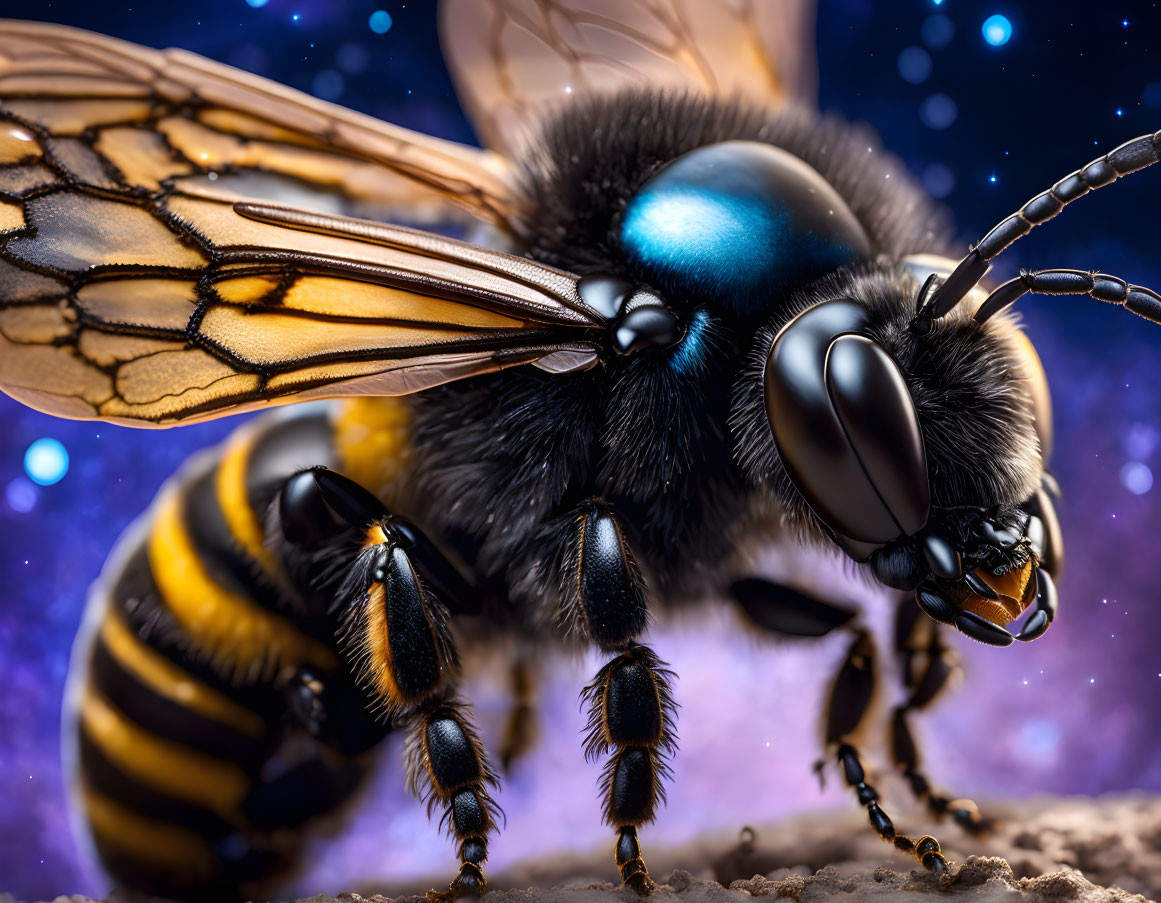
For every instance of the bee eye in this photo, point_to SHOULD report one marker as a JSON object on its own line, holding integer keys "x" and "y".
{"x": 741, "y": 222}
{"x": 846, "y": 429}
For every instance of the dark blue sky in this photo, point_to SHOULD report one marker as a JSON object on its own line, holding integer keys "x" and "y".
{"x": 1079, "y": 711}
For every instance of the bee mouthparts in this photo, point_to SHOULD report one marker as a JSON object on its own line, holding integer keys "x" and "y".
{"x": 1011, "y": 594}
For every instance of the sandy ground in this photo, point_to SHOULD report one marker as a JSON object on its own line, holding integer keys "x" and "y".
{"x": 1045, "y": 851}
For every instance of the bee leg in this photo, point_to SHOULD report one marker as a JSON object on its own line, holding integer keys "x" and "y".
{"x": 630, "y": 701}
{"x": 395, "y": 633}
{"x": 850, "y": 699}
{"x": 631, "y": 716}
{"x": 520, "y": 730}
{"x": 928, "y": 667}
{"x": 393, "y": 594}
{"x": 313, "y": 527}
{"x": 447, "y": 767}
{"x": 333, "y": 710}
{"x": 1044, "y": 531}
{"x": 322, "y": 515}
{"x": 786, "y": 611}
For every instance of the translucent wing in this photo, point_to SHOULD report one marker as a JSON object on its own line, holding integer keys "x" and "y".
{"x": 513, "y": 58}
{"x": 188, "y": 306}
{"x": 140, "y": 284}
{"x": 130, "y": 117}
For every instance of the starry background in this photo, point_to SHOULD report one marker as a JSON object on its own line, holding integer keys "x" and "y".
{"x": 985, "y": 127}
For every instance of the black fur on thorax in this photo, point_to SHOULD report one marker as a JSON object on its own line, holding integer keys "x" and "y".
{"x": 594, "y": 154}
{"x": 506, "y": 460}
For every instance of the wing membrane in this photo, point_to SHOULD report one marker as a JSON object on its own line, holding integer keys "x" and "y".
{"x": 187, "y": 306}
{"x": 142, "y": 283}
{"x": 511, "y": 58}
{"x": 123, "y": 116}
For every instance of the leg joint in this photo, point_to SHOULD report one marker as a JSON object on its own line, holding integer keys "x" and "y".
{"x": 610, "y": 588}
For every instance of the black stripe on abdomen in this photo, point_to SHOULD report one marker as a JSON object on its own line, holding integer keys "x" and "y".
{"x": 228, "y": 564}
{"x": 135, "y": 597}
{"x": 103, "y": 776}
{"x": 171, "y": 720}
{"x": 183, "y": 717}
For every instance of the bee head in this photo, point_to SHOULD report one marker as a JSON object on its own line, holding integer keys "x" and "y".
{"x": 914, "y": 452}
{"x": 882, "y": 399}
{"x": 920, "y": 419}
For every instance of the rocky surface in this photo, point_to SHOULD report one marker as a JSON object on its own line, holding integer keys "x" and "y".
{"x": 1048, "y": 851}
{"x": 979, "y": 879}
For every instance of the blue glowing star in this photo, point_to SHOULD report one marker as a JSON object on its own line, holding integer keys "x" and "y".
{"x": 46, "y": 462}
{"x": 997, "y": 30}
{"x": 257, "y": 3}
{"x": 380, "y": 21}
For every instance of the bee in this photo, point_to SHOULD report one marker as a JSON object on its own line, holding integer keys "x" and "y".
{"x": 696, "y": 318}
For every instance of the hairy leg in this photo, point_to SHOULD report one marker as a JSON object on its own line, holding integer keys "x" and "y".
{"x": 394, "y": 598}
{"x": 630, "y": 700}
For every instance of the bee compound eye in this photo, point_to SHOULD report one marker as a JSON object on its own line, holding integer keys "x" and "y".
{"x": 651, "y": 326}
{"x": 846, "y": 429}
{"x": 604, "y": 294}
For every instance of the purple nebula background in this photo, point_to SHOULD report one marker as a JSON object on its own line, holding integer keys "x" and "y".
{"x": 985, "y": 128}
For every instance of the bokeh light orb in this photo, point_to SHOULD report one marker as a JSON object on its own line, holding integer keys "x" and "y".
{"x": 1137, "y": 477}
{"x": 257, "y": 3}
{"x": 46, "y": 462}
{"x": 328, "y": 85}
{"x": 353, "y": 58}
{"x": 1141, "y": 441}
{"x": 914, "y": 65}
{"x": 938, "y": 112}
{"x": 380, "y": 21}
{"x": 1151, "y": 95}
{"x": 20, "y": 495}
{"x": 938, "y": 179}
{"x": 997, "y": 30}
{"x": 1037, "y": 741}
{"x": 937, "y": 31}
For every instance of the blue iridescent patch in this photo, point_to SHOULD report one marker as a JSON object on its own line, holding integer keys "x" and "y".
{"x": 741, "y": 223}
{"x": 690, "y": 355}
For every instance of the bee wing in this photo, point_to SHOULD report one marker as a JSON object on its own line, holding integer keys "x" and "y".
{"x": 190, "y": 304}
{"x": 141, "y": 282}
{"x": 510, "y": 58}
{"x": 111, "y": 114}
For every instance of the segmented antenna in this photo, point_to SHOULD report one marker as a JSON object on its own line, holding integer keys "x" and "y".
{"x": 1141, "y": 301}
{"x": 1129, "y": 157}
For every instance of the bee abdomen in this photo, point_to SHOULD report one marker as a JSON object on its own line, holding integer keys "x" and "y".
{"x": 179, "y": 685}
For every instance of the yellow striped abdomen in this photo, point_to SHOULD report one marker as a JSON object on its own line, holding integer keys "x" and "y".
{"x": 180, "y": 707}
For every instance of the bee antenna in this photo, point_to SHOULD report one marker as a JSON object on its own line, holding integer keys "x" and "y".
{"x": 1129, "y": 157}
{"x": 1142, "y": 301}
